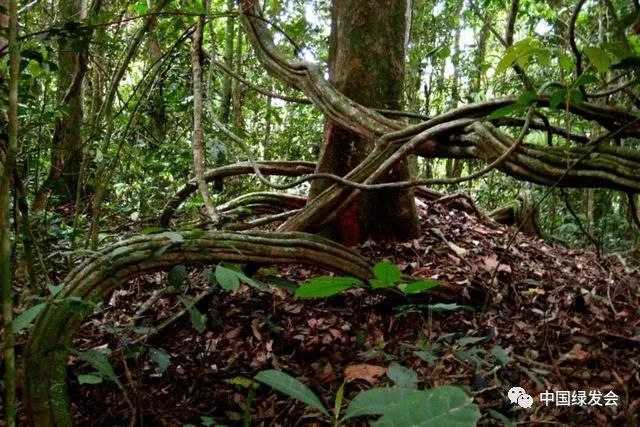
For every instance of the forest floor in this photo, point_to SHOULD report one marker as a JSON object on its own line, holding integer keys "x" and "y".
{"x": 552, "y": 319}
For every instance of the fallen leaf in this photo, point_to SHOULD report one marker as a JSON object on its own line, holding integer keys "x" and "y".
{"x": 490, "y": 262}
{"x": 461, "y": 252}
{"x": 364, "y": 371}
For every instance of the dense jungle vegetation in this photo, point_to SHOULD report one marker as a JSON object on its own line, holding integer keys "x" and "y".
{"x": 347, "y": 212}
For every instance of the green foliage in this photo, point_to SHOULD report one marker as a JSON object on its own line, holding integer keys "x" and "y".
{"x": 401, "y": 376}
{"x": 387, "y": 275}
{"x": 160, "y": 357}
{"x": 198, "y": 319}
{"x": 442, "y": 406}
{"x": 599, "y": 58}
{"x": 290, "y": 386}
{"x": 229, "y": 277}
{"x": 98, "y": 359}
{"x": 521, "y": 53}
{"x": 177, "y": 276}
{"x": 326, "y": 286}
{"x": 27, "y": 317}
{"x": 397, "y": 406}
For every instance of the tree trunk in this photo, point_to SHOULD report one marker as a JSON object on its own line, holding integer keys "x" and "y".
{"x": 66, "y": 147}
{"x": 157, "y": 108}
{"x": 225, "y": 108}
{"x": 8, "y": 152}
{"x": 366, "y": 63}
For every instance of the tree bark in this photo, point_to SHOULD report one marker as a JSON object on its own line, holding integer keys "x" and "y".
{"x": 366, "y": 63}
{"x": 66, "y": 147}
{"x": 8, "y": 152}
{"x": 197, "y": 142}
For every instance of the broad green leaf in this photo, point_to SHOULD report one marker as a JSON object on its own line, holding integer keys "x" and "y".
{"x": 518, "y": 53}
{"x": 100, "y": 362}
{"x": 54, "y": 289}
{"x": 598, "y": 58}
{"x": 246, "y": 279}
{"x": 377, "y": 400}
{"x": 427, "y": 356}
{"x": 469, "y": 340}
{"x": 565, "y": 61}
{"x": 401, "y": 376}
{"x": 160, "y": 357}
{"x": 575, "y": 97}
{"x": 420, "y": 286}
{"x": 527, "y": 98}
{"x": 500, "y": 354}
{"x": 227, "y": 278}
{"x": 34, "y": 69}
{"x": 473, "y": 355}
{"x": 326, "y": 286}
{"x": 290, "y": 386}
{"x": 386, "y": 273}
{"x": 27, "y": 317}
{"x": 445, "y": 406}
{"x": 177, "y": 276}
{"x": 89, "y": 379}
{"x": 557, "y": 98}
{"x": 198, "y": 320}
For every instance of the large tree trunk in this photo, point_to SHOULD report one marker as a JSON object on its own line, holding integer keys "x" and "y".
{"x": 366, "y": 63}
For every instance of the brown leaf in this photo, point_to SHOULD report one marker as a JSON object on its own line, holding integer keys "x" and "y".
{"x": 364, "y": 371}
{"x": 490, "y": 262}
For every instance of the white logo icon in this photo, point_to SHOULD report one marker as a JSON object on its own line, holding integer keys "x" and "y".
{"x": 519, "y": 395}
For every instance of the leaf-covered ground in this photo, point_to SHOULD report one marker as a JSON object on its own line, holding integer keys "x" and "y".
{"x": 509, "y": 313}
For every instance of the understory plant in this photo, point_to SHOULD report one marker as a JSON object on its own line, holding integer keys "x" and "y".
{"x": 397, "y": 406}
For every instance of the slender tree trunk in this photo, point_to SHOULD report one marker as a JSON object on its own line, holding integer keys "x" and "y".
{"x": 66, "y": 147}
{"x": 197, "y": 143}
{"x": 366, "y": 62}
{"x": 236, "y": 87}
{"x": 8, "y": 158}
{"x": 157, "y": 108}
{"x": 225, "y": 107}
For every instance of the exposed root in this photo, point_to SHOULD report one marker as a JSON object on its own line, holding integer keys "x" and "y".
{"x": 282, "y": 168}
{"x": 47, "y": 350}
